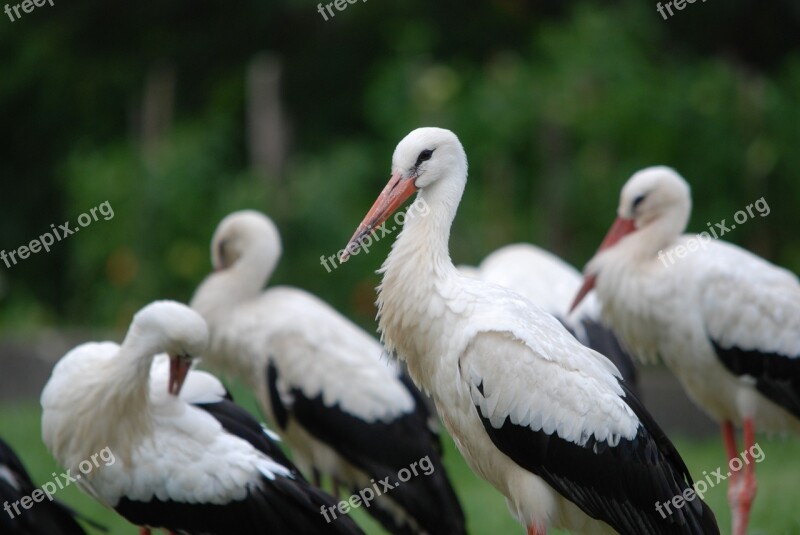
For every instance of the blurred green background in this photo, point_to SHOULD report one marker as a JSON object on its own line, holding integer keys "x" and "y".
{"x": 177, "y": 113}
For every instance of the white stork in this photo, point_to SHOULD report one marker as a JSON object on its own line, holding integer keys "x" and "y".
{"x": 726, "y": 322}
{"x": 343, "y": 408}
{"x": 177, "y": 452}
{"x": 40, "y": 514}
{"x": 543, "y": 418}
{"x": 550, "y": 282}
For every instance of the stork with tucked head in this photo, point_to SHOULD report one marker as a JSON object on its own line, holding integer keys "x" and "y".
{"x": 345, "y": 410}
{"x": 181, "y": 455}
{"x": 726, "y": 322}
{"x": 543, "y": 418}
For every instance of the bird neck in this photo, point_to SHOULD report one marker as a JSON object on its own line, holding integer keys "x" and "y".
{"x": 416, "y": 274}
{"x": 120, "y": 401}
{"x": 239, "y": 282}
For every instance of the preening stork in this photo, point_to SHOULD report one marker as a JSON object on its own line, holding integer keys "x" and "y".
{"x": 550, "y": 282}
{"x": 543, "y": 418}
{"x": 725, "y": 321}
{"x": 178, "y": 453}
{"x": 344, "y": 409}
{"x": 44, "y": 516}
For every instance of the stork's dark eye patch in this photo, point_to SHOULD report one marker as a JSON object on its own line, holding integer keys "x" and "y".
{"x": 424, "y": 156}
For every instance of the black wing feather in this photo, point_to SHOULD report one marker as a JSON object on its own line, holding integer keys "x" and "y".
{"x": 281, "y": 506}
{"x": 777, "y": 376}
{"x": 619, "y": 484}
{"x": 381, "y": 449}
{"x": 45, "y": 517}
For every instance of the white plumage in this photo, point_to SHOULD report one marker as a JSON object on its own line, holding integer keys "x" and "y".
{"x": 169, "y": 458}
{"x": 725, "y": 321}
{"x": 541, "y": 417}
{"x": 536, "y": 274}
{"x": 550, "y": 282}
{"x": 328, "y": 386}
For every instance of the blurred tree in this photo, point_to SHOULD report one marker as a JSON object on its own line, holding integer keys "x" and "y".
{"x": 557, "y": 104}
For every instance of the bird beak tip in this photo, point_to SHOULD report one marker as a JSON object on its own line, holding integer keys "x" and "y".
{"x": 588, "y": 284}
{"x": 397, "y": 190}
{"x": 179, "y": 367}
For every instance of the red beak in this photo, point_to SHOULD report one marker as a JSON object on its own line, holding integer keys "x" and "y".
{"x": 621, "y": 228}
{"x": 396, "y": 191}
{"x": 178, "y": 370}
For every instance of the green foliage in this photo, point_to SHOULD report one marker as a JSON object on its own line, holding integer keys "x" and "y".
{"x": 555, "y": 115}
{"x": 165, "y": 208}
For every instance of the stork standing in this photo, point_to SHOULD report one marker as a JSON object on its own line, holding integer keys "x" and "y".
{"x": 44, "y": 516}
{"x": 726, "y": 322}
{"x": 550, "y": 282}
{"x": 182, "y": 456}
{"x": 543, "y": 418}
{"x": 344, "y": 409}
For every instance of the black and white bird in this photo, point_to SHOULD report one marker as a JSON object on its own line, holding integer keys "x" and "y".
{"x": 44, "y": 516}
{"x": 726, "y": 322}
{"x": 543, "y": 418}
{"x": 342, "y": 407}
{"x": 183, "y": 456}
{"x": 550, "y": 282}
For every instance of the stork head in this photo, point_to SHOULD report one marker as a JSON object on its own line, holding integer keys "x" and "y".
{"x": 242, "y": 233}
{"x": 172, "y": 328}
{"x": 655, "y": 204}
{"x": 656, "y": 196}
{"x": 421, "y": 161}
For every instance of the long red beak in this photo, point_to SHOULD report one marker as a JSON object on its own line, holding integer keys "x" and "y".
{"x": 396, "y": 191}
{"x": 621, "y": 228}
{"x": 178, "y": 370}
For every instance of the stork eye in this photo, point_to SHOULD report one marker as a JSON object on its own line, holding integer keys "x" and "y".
{"x": 638, "y": 200}
{"x": 424, "y": 156}
{"x": 221, "y": 252}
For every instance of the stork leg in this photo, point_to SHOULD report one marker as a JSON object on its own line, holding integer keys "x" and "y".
{"x": 747, "y": 484}
{"x": 732, "y": 451}
{"x": 533, "y": 530}
{"x": 335, "y": 489}
{"x": 742, "y": 484}
{"x": 144, "y": 531}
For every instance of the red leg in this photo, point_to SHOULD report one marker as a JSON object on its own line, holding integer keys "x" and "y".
{"x": 335, "y": 489}
{"x": 533, "y": 530}
{"x": 729, "y": 435}
{"x": 144, "y": 531}
{"x": 732, "y": 450}
{"x": 748, "y": 486}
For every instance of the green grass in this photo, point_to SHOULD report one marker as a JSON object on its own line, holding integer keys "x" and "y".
{"x": 775, "y": 511}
